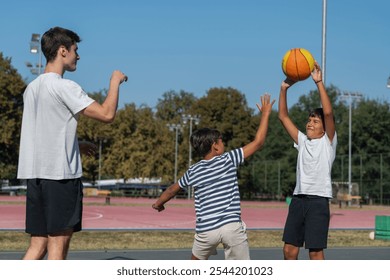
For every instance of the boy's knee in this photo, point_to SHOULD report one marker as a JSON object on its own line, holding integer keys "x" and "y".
{"x": 290, "y": 252}
{"x": 316, "y": 254}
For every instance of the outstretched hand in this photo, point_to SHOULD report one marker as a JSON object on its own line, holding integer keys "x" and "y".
{"x": 317, "y": 73}
{"x": 158, "y": 208}
{"x": 118, "y": 75}
{"x": 288, "y": 83}
{"x": 266, "y": 104}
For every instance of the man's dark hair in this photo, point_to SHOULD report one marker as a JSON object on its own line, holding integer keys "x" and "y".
{"x": 203, "y": 139}
{"x": 56, "y": 37}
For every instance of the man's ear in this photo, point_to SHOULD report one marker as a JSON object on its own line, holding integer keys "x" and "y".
{"x": 62, "y": 51}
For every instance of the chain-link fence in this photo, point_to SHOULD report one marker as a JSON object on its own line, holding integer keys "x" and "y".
{"x": 275, "y": 179}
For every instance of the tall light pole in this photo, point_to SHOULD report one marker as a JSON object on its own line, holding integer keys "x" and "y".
{"x": 101, "y": 140}
{"x": 388, "y": 82}
{"x": 175, "y": 127}
{"x": 189, "y": 118}
{"x": 35, "y": 48}
{"x": 350, "y": 96}
{"x": 100, "y": 162}
{"x": 323, "y": 66}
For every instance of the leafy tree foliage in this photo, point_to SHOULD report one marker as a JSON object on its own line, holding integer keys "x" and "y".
{"x": 370, "y": 147}
{"x": 11, "y": 106}
{"x": 170, "y": 110}
{"x": 97, "y": 133}
{"x": 139, "y": 143}
{"x": 226, "y": 109}
{"x": 172, "y": 105}
{"x": 138, "y": 147}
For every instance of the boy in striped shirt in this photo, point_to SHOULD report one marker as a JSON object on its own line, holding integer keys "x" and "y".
{"x": 216, "y": 193}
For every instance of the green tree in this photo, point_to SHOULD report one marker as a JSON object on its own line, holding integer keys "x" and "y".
{"x": 170, "y": 109}
{"x": 97, "y": 133}
{"x": 272, "y": 168}
{"x": 139, "y": 144}
{"x": 371, "y": 120}
{"x": 11, "y": 107}
{"x": 370, "y": 147}
{"x": 226, "y": 109}
{"x": 173, "y": 104}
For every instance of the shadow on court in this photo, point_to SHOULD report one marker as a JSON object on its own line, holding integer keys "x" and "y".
{"x": 350, "y": 253}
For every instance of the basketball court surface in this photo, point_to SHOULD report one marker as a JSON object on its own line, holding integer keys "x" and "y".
{"x": 137, "y": 214}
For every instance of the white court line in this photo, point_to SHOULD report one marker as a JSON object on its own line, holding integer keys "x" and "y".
{"x": 169, "y": 225}
{"x": 94, "y": 216}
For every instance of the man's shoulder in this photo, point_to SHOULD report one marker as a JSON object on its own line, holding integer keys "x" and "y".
{"x": 57, "y": 80}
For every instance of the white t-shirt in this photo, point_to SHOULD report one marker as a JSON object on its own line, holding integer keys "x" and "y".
{"x": 48, "y": 146}
{"x": 314, "y": 165}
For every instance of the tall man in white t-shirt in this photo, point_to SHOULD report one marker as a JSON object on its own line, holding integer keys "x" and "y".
{"x": 49, "y": 157}
{"x": 308, "y": 217}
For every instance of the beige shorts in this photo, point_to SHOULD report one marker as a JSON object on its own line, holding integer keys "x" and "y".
{"x": 232, "y": 236}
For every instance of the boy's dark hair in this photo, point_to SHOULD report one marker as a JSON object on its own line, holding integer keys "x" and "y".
{"x": 56, "y": 37}
{"x": 319, "y": 113}
{"x": 203, "y": 139}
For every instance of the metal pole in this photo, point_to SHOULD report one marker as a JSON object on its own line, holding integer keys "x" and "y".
{"x": 40, "y": 58}
{"x": 175, "y": 178}
{"x": 279, "y": 190}
{"x": 381, "y": 182}
{"x": 190, "y": 118}
{"x": 265, "y": 174}
{"x": 189, "y": 143}
{"x": 190, "y": 156}
{"x": 361, "y": 176}
{"x": 175, "y": 127}
{"x": 350, "y": 148}
{"x": 100, "y": 162}
{"x": 323, "y": 40}
{"x": 350, "y": 96}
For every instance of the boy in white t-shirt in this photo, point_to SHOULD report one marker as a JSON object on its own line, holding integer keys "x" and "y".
{"x": 308, "y": 217}
{"x": 49, "y": 156}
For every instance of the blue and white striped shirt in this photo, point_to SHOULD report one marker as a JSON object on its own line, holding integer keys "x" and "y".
{"x": 217, "y": 198}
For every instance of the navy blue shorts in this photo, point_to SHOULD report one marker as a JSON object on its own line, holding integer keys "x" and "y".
{"x": 53, "y": 206}
{"x": 307, "y": 222}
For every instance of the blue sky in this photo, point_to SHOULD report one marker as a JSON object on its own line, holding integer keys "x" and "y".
{"x": 195, "y": 45}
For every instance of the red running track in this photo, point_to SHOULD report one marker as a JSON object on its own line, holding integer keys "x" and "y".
{"x": 137, "y": 213}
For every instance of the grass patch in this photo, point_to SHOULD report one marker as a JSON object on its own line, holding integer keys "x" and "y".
{"x": 127, "y": 240}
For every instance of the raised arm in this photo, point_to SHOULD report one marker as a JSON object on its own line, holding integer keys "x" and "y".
{"x": 284, "y": 118}
{"x": 106, "y": 111}
{"x": 330, "y": 127}
{"x": 258, "y": 142}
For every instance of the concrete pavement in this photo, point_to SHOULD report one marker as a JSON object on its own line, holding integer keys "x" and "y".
{"x": 347, "y": 253}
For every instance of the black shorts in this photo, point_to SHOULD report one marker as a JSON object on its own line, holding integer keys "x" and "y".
{"x": 307, "y": 222}
{"x": 53, "y": 206}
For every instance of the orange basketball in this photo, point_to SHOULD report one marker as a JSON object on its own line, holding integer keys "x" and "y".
{"x": 297, "y": 64}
